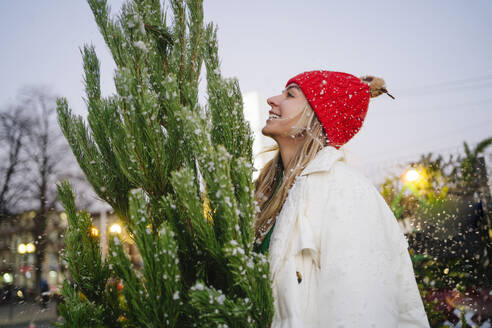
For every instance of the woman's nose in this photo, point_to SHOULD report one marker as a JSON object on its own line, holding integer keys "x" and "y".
{"x": 271, "y": 101}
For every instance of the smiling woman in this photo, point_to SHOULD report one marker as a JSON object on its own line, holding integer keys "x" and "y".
{"x": 287, "y": 119}
{"x": 289, "y": 105}
{"x": 337, "y": 255}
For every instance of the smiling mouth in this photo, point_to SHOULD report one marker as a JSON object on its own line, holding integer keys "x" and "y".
{"x": 273, "y": 117}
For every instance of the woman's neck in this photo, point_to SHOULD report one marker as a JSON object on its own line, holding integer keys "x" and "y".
{"x": 288, "y": 147}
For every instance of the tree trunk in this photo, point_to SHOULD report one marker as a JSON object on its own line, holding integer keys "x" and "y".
{"x": 39, "y": 235}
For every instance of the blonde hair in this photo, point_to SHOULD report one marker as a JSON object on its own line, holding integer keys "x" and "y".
{"x": 270, "y": 205}
{"x": 270, "y": 199}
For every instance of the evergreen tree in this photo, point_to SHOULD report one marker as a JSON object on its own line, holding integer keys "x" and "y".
{"x": 178, "y": 174}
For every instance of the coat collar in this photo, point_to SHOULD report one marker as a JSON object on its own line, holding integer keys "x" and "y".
{"x": 323, "y": 160}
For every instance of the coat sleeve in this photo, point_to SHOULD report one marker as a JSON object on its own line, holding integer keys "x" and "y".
{"x": 357, "y": 280}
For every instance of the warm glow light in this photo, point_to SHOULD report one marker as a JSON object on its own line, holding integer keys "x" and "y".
{"x": 52, "y": 274}
{"x": 30, "y": 248}
{"x": 411, "y": 175}
{"x": 7, "y": 278}
{"x": 21, "y": 248}
{"x": 115, "y": 228}
{"x": 94, "y": 232}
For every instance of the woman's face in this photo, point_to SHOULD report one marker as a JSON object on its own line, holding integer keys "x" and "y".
{"x": 286, "y": 109}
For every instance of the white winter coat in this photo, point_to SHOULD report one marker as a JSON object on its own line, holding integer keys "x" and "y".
{"x": 338, "y": 257}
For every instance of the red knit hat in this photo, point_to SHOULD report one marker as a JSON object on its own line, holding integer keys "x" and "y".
{"x": 340, "y": 101}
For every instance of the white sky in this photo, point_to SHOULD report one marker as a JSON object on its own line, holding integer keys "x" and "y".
{"x": 411, "y": 44}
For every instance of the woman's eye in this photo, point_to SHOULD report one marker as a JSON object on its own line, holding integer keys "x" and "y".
{"x": 290, "y": 95}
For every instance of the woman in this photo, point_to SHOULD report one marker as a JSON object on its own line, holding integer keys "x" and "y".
{"x": 337, "y": 255}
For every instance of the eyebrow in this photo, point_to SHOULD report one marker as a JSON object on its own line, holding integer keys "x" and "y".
{"x": 293, "y": 86}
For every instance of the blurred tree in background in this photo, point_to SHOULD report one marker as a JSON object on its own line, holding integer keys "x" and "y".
{"x": 447, "y": 202}
{"x": 34, "y": 157}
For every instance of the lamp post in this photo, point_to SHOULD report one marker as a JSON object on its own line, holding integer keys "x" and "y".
{"x": 114, "y": 229}
{"x": 25, "y": 249}
{"x": 410, "y": 175}
{"x": 409, "y": 179}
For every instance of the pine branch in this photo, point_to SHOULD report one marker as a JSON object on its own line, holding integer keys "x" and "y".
{"x": 90, "y": 301}
{"x": 108, "y": 180}
{"x": 179, "y": 176}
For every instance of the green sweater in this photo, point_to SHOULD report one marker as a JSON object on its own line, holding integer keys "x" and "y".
{"x": 265, "y": 245}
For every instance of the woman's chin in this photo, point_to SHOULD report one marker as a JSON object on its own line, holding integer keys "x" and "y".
{"x": 266, "y": 131}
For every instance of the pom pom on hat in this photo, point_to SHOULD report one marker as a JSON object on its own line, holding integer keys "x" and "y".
{"x": 340, "y": 100}
{"x": 377, "y": 85}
